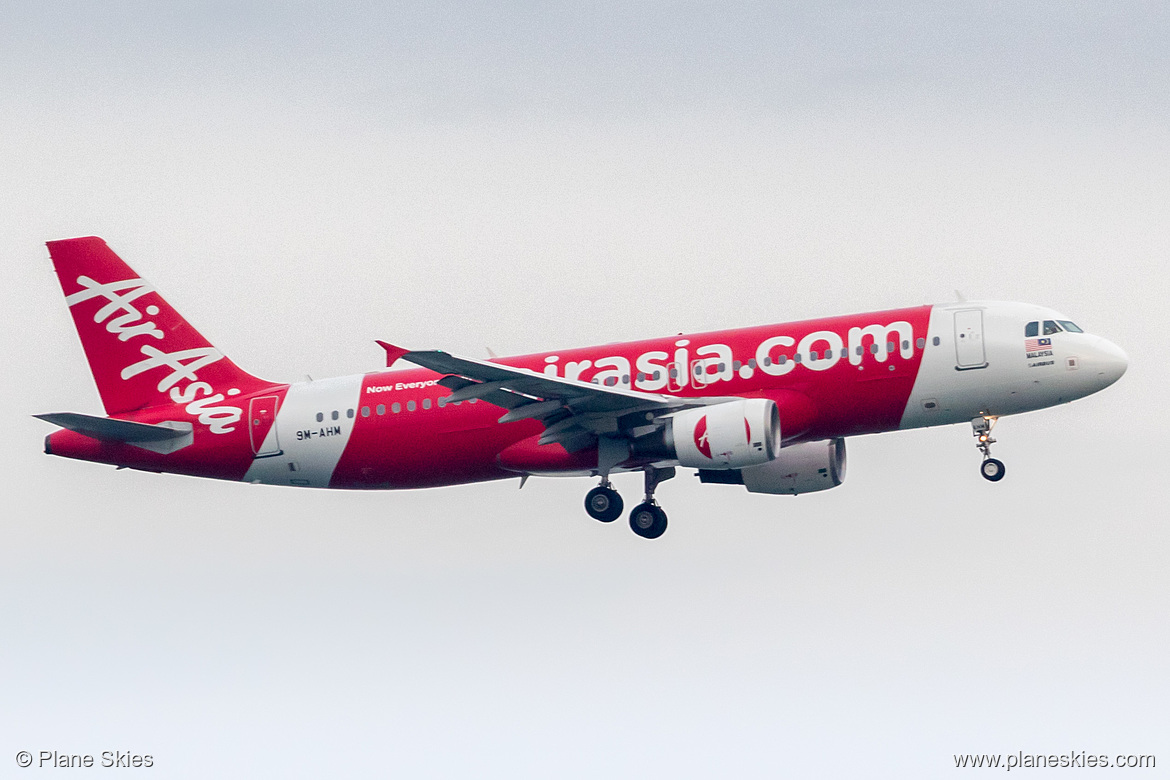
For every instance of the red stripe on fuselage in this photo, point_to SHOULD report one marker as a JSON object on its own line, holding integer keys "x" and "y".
{"x": 458, "y": 443}
{"x": 425, "y": 446}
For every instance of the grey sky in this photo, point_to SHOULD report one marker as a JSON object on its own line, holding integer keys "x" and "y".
{"x": 302, "y": 179}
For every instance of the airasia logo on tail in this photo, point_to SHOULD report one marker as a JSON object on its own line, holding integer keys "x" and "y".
{"x": 199, "y": 398}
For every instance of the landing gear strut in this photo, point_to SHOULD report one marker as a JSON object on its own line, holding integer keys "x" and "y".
{"x": 991, "y": 469}
{"x": 603, "y": 502}
{"x": 648, "y": 520}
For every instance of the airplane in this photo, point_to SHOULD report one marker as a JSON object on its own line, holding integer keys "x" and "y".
{"x": 766, "y": 407}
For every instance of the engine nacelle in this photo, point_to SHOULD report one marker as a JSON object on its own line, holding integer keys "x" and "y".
{"x": 731, "y": 435}
{"x": 800, "y": 468}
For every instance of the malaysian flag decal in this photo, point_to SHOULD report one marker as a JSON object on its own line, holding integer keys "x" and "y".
{"x": 1035, "y": 345}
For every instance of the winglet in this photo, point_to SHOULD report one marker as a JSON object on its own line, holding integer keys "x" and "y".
{"x": 392, "y": 352}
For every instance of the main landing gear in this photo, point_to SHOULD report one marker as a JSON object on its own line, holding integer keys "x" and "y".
{"x": 603, "y": 502}
{"x": 991, "y": 469}
{"x": 647, "y": 520}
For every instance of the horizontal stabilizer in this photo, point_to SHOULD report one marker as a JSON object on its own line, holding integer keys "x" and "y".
{"x": 163, "y": 438}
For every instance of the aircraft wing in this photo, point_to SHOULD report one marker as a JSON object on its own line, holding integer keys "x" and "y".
{"x": 572, "y": 411}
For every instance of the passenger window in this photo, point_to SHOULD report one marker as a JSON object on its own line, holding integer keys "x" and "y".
{"x": 335, "y": 415}
{"x": 1050, "y": 327}
{"x": 365, "y": 411}
{"x": 411, "y": 406}
{"x": 349, "y": 413}
{"x": 937, "y": 341}
{"x": 396, "y": 408}
{"x": 426, "y": 403}
{"x": 1032, "y": 329}
{"x": 1070, "y": 327}
{"x": 320, "y": 417}
{"x": 381, "y": 409}
{"x": 921, "y": 343}
{"x": 442, "y": 401}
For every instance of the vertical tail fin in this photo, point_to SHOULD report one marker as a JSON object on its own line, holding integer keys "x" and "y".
{"x": 141, "y": 351}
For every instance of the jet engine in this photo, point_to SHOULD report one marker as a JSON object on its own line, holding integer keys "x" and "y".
{"x": 801, "y": 468}
{"x": 730, "y": 435}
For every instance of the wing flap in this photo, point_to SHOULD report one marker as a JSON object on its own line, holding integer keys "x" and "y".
{"x": 529, "y": 386}
{"x": 574, "y": 413}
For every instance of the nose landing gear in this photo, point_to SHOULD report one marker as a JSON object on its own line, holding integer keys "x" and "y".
{"x": 991, "y": 469}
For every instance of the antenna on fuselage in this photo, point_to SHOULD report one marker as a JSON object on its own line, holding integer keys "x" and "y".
{"x": 960, "y": 297}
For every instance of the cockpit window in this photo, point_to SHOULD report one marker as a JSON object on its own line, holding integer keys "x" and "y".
{"x": 1070, "y": 327}
{"x": 1032, "y": 329}
{"x": 1050, "y": 327}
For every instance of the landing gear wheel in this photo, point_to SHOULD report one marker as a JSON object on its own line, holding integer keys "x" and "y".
{"x": 648, "y": 521}
{"x": 603, "y": 503}
{"x": 992, "y": 470}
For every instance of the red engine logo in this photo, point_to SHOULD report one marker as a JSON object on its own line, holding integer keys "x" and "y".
{"x": 701, "y": 437}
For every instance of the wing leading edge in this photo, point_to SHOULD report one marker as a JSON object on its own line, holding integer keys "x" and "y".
{"x": 574, "y": 413}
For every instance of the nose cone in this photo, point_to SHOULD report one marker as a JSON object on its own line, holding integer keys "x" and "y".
{"x": 1108, "y": 362}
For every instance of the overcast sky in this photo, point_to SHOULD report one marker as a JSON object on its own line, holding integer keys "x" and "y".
{"x": 301, "y": 179}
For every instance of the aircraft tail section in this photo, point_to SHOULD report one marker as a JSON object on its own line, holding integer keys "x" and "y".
{"x": 141, "y": 351}
{"x": 164, "y": 437}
